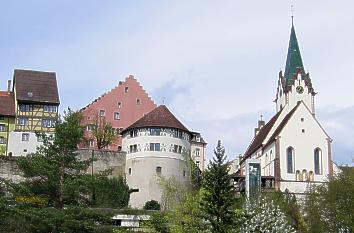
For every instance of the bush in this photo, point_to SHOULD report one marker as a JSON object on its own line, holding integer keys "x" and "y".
{"x": 152, "y": 205}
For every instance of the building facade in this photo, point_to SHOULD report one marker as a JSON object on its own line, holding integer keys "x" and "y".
{"x": 121, "y": 106}
{"x": 7, "y": 118}
{"x": 294, "y": 149}
{"x": 36, "y": 104}
{"x": 157, "y": 146}
{"x": 198, "y": 146}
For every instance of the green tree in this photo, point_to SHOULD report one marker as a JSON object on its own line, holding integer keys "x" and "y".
{"x": 152, "y": 205}
{"x": 110, "y": 192}
{"x": 54, "y": 172}
{"x": 103, "y": 132}
{"x": 219, "y": 196}
{"x": 330, "y": 206}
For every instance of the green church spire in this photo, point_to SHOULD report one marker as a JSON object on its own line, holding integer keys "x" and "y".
{"x": 293, "y": 59}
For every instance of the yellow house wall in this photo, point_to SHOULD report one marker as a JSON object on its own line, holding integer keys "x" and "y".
{"x": 9, "y": 122}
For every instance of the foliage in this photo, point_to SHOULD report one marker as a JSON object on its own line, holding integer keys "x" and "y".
{"x": 330, "y": 206}
{"x": 194, "y": 174}
{"x": 289, "y": 206}
{"x": 219, "y": 196}
{"x": 173, "y": 192}
{"x": 152, "y": 205}
{"x": 43, "y": 220}
{"x": 188, "y": 216}
{"x": 54, "y": 172}
{"x": 158, "y": 223}
{"x": 2, "y": 150}
{"x": 262, "y": 215}
{"x": 103, "y": 132}
{"x": 110, "y": 192}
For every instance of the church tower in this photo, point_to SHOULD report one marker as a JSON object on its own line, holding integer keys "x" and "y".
{"x": 295, "y": 84}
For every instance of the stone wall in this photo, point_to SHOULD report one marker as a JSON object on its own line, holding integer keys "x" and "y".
{"x": 103, "y": 160}
{"x": 9, "y": 169}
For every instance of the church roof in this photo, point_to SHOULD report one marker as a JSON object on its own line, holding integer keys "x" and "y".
{"x": 259, "y": 138}
{"x": 293, "y": 59}
{"x": 159, "y": 117}
{"x": 265, "y": 130}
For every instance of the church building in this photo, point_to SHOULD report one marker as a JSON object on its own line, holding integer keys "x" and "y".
{"x": 293, "y": 148}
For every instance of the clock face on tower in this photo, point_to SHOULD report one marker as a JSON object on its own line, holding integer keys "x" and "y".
{"x": 299, "y": 89}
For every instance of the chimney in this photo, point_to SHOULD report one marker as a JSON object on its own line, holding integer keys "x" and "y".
{"x": 9, "y": 86}
{"x": 261, "y": 123}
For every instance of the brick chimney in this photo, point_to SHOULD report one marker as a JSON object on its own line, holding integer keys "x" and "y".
{"x": 9, "y": 86}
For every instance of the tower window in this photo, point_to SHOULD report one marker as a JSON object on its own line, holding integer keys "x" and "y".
{"x": 197, "y": 152}
{"x": 158, "y": 170}
{"x": 155, "y": 132}
{"x": 130, "y": 171}
{"x": 154, "y": 146}
{"x": 126, "y": 89}
{"x": 133, "y": 148}
{"x": 290, "y": 159}
{"x": 318, "y": 161}
{"x": 197, "y": 163}
{"x": 303, "y": 130}
{"x": 302, "y": 119}
{"x": 138, "y": 102}
{"x": 119, "y": 104}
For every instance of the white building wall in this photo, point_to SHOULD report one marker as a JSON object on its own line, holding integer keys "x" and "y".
{"x": 294, "y": 96}
{"x": 21, "y": 148}
{"x": 141, "y": 165}
{"x": 304, "y": 134}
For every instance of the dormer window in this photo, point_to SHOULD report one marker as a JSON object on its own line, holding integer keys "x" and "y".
{"x": 30, "y": 94}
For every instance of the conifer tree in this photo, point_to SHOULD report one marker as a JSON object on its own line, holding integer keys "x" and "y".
{"x": 219, "y": 197}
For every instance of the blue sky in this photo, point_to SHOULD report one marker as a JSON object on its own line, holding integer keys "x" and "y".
{"x": 216, "y": 62}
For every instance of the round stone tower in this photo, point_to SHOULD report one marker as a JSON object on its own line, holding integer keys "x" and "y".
{"x": 154, "y": 145}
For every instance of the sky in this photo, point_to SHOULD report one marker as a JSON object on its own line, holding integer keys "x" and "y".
{"x": 215, "y": 62}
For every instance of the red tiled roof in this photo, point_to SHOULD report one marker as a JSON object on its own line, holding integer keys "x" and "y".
{"x": 159, "y": 117}
{"x": 7, "y": 104}
{"x": 36, "y": 86}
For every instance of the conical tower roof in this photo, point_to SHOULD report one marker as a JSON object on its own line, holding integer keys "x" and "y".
{"x": 159, "y": 117}
{"x": 293, "y": 59}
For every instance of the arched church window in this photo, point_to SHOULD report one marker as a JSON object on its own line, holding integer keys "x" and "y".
{"x": 290, "y": 159}
{"x": 304, "y": 175}
{"x": 298, "y": 176}
{"x": 318, "y": 161}
{"x": 311, "y": 177}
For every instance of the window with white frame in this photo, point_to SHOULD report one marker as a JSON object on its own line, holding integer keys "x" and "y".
{"x": 23, "y": 121}
{"x": 50, "y": 108}
{"x": 116, "y": 116}
{"x": 47, "y": 123}
{"x": 155, "y": 132}
{"x": 197, "y": 152}
{"x": 133, "y": 148}
{"x": 25, "y": 137}
{"x": 290, "y": 159}
{"x": 2, "y": 140}
{"x": 102, "y": 112}
{"x": 154, "y": 146}
{"x": 2, "y": 127}
{"x": 25, "y": 107}
{"x": 318, "y": 161}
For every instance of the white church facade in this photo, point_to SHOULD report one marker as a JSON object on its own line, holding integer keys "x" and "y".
{"x": 293, "y": 148}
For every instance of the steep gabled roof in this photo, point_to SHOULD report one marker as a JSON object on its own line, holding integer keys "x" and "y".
{"x": 159, "y": 117}
{"x": 7, "y": 104}
{"x": 259, "y": 138}
{"x": 36, "y": 86}
{"x": 293, "y": 59}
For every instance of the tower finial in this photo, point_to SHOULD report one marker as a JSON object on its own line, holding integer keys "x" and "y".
{"x": 292, "y": 14}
